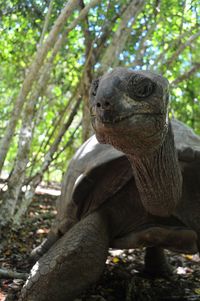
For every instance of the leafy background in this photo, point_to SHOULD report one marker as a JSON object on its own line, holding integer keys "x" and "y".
{"x": 163, "y": 36}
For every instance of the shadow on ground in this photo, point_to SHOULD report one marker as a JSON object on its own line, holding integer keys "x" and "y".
{"x": 122, "y": 279}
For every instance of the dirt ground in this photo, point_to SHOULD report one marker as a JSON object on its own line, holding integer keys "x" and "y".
{"x": 122, "y": 279}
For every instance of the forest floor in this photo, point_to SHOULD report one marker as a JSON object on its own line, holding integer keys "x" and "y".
{"x": 122, "y": 279}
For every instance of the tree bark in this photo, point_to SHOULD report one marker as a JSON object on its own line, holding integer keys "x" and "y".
{"x": 46, "y": 23}
{"x": 181, "y": 48}
{"x": 106, "y": 31}
{"x": 186, "y": 75}
{"x": 25, "y": 202}
{"x": 8, "y": 274}
{"x": 31, "y": 76}
{"x": 111, "y": 56}
{"x": 17, "y": 177}
{"x": 173, "y": 44}
{"x": 87, "y": 78}
{"x": 140, "y": 53}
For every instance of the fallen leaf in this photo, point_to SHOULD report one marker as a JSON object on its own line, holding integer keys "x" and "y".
{"x": 190, "y": 257}
{"x": 183, "y": 271}
{"x": 42, "y": 231}
{"x": 115, "y": 259}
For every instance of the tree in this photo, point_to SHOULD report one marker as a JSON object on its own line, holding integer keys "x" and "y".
{"x": 56, "y": 53}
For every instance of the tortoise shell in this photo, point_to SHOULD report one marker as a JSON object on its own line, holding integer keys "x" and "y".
{"x": 98, "y": 171}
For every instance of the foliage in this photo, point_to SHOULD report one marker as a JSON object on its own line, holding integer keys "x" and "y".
{"x": 162, "y": 36}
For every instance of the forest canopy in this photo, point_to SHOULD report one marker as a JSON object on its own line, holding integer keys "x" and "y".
{"x": 50, "y": 51}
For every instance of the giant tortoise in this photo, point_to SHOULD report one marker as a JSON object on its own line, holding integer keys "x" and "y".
{"x": 136, "y": 189}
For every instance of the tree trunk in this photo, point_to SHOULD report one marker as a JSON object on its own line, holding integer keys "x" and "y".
{"x": 31, "y": 76}
{"x": 46, "y": 23}
{"x": 186, "y": 75}
{"x": 111, "y": 56}
{"x": 180, "y": 49}
{"x": 17, "y": 177}
{"x": 25, "y": 202}
{"x": 87, "y": 77}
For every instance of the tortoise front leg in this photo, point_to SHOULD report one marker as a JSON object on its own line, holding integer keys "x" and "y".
{"x": 74, "y": 262}
{"x": 43, "y": 247}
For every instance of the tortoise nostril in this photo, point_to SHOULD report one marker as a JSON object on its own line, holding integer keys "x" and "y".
{"x": 104, "y": 105}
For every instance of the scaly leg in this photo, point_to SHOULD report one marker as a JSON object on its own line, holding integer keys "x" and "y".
{"x": 43, "y": 247}
{"x": 75, "y": 261}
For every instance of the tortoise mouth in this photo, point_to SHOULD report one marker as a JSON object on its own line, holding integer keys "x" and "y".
{"x": 110, "y": 117}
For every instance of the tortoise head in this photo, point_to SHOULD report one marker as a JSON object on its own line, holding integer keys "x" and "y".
{"x": 129, "y": 110}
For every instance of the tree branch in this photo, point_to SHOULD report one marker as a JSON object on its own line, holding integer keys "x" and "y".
{"x": 186, "y": 75}
{"x": 172, "y": 44}
{"x": 8, "y": 274}
{"x": 121, "y": 35}
{"x": 181, "y": 48}
{"x": 150, "y": 30}
{"x": 36, "y": 179}
{"x": 46, "y": 23}
{"x": 17, "y": 177}
{"x": 105, "y": 32}
{"x": 31, "y": 76}
{"x": 69, "y": 142}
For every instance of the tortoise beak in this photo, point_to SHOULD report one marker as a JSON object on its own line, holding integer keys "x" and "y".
{"x": 106, "y": 116}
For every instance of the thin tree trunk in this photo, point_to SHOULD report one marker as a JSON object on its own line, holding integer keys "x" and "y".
{"x": 40, "y": 56}
{"x": 174, "y": 44}
{"x": 111, "y": 56}
{"x": 140, "y": 53}
{"x": 69, "y": 142}
{"x": 55, "y": 124}
{"x": 47, "y": 160}
{"x": 195, "y": 68}
{"x": 8, "y": 274}
{"x": 87, "y": 78}
{"x": 106, "y": 31}
{"x": 46, "y": 23}
{"x": 17, "y": 177}
{"x": 143, "y": 47}
{"x": 180, "y": 49}
{"x": 41, "y": 86}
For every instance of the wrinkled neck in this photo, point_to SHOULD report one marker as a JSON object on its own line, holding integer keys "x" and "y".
{"x": 158, "y": 177}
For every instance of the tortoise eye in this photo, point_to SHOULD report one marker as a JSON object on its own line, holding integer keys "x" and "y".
{"x": 94, "y": 87}
{"x": 140, "y": 86}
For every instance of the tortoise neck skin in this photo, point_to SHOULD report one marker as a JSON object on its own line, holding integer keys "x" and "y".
{"x": 158, "y": 177}
{"x": 129, "y": 111}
